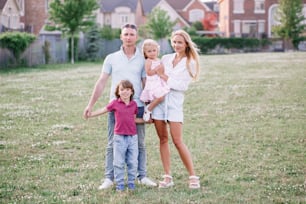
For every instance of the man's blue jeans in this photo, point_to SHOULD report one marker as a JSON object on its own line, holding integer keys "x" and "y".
{"x": 142, "y": 157}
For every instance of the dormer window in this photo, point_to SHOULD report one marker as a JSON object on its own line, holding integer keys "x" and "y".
{"x": 259, "y": 6}
{"x": 238, "y": 6}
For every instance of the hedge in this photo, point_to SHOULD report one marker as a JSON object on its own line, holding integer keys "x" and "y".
{"x": 207, "y": 44}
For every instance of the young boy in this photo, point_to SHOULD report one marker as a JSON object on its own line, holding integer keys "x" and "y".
{"x": 125, "y": 134}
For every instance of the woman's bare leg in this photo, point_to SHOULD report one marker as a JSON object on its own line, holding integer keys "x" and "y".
{"x": 161, "y": 129}
{"x": 176, "y": 129}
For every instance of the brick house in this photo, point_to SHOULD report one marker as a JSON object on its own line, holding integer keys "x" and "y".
{"x": 118, "y": 12}
{"x": 24, "y": 15}
{"x": 248, "y": 18}
{"x": 32, "y": 15}
{"x": 35, "y": 15}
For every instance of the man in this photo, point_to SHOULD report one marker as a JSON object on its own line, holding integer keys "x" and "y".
{"x": 125, "y": 64}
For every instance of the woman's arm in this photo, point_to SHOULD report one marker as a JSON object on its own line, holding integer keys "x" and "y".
{"x": 178, "y": 78}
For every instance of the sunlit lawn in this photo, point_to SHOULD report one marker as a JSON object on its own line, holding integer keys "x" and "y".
{"x": 244, "y": 124}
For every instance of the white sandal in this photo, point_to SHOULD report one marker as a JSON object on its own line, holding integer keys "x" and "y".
{"x": 194, "y": 182}
{"x": 147, "y": 114}
{"x": 164, "y": 184}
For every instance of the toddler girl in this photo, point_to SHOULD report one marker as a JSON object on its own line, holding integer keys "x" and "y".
{"x": 155, "y": 88}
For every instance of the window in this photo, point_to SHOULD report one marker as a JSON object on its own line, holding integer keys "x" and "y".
{"x": 238, "y": 6}
{"x": 304, "y": 13}
{"x": 272, "y": 19}
{"x": 196, "y": 15}
{"x": 216, "y": 7}
{"x": 261, "y": 26}
{"x": 274, "y": 16}
{"x": 47, "y": 5}
{"x": 124, "y": 18}
{"x": 259, "y": 6}
{"x": 237, "y": 27}
{"x": 249, "y": 29}
{"x": 21, "y": 5}
{"x": 107, "y": 21}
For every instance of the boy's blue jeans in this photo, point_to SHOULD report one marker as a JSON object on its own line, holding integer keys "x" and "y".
{"x": 142, "y": 157}
{"x": 125, "y": 152}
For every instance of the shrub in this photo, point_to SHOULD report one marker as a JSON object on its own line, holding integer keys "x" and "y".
{"x": 207, "y": 44}
{"x": 16, "y": 42}
{"x": 46, "y": 50}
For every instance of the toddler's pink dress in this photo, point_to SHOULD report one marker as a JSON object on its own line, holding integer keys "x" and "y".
{"x": 155, "y": 87}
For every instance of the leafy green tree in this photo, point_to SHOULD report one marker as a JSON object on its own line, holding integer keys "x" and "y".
{"x": 159, "y": 24}
{"x": 73, "y": 16}
{"x": 290, "y": 15}
{"x": 197, "y": 25}
{"x": 16, "y": 42}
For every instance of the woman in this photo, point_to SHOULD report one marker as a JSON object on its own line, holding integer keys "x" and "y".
{"x": 180, "y": 68}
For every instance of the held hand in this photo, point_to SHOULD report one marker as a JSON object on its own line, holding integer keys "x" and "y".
{"x": 150, "y": 121}
{"x": 87, "y": 113}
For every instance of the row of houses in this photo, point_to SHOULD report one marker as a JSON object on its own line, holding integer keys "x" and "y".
{"x": 240, "y": 18}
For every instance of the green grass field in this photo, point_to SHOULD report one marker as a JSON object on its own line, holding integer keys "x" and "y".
{"x": 244, "y": 124}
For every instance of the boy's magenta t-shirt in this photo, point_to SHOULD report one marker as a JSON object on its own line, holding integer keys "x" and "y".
{"x": 124, "y": 116}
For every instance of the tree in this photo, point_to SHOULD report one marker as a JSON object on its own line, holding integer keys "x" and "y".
{"x": 73, "y": 16}
{"x": 109, "y": 33}
{"x": 290, "y": 16}
{"x": 159, "y": 24}
{"x": 93, "y": 43}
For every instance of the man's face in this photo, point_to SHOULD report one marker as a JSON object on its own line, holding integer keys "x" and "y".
{"x": 128, "y": 37}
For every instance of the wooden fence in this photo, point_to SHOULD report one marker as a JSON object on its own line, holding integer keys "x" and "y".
{"x": 58, "y": 50}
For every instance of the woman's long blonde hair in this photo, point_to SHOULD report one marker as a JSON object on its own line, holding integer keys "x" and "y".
{"x": 191, "y": 52}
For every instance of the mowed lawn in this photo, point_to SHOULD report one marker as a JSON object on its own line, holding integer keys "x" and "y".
{"x": 245, "y": 125}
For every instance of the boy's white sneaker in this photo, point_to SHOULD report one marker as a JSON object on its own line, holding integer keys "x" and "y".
{"x": 107, "y": 183}
{"x": 146, "y": 181}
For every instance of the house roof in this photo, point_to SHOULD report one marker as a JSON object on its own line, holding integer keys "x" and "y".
{"x": 211, "y": 5}
{"x": 178, "y": 5}
{"x": 108, "y": 6}
{"x": 2, "y": 4}
{"x": 111, "y": 5}
{"x": 149, "y": 5}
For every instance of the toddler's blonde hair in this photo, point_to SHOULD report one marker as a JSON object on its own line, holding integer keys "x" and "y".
{"x": 148, "y": 43}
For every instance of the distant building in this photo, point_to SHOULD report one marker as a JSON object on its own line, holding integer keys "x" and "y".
{"x": 10, "y": 13}
{"x": 248, "y": 18}
{"x": 35, "y": 15}
{"x": 115, "y": 13}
